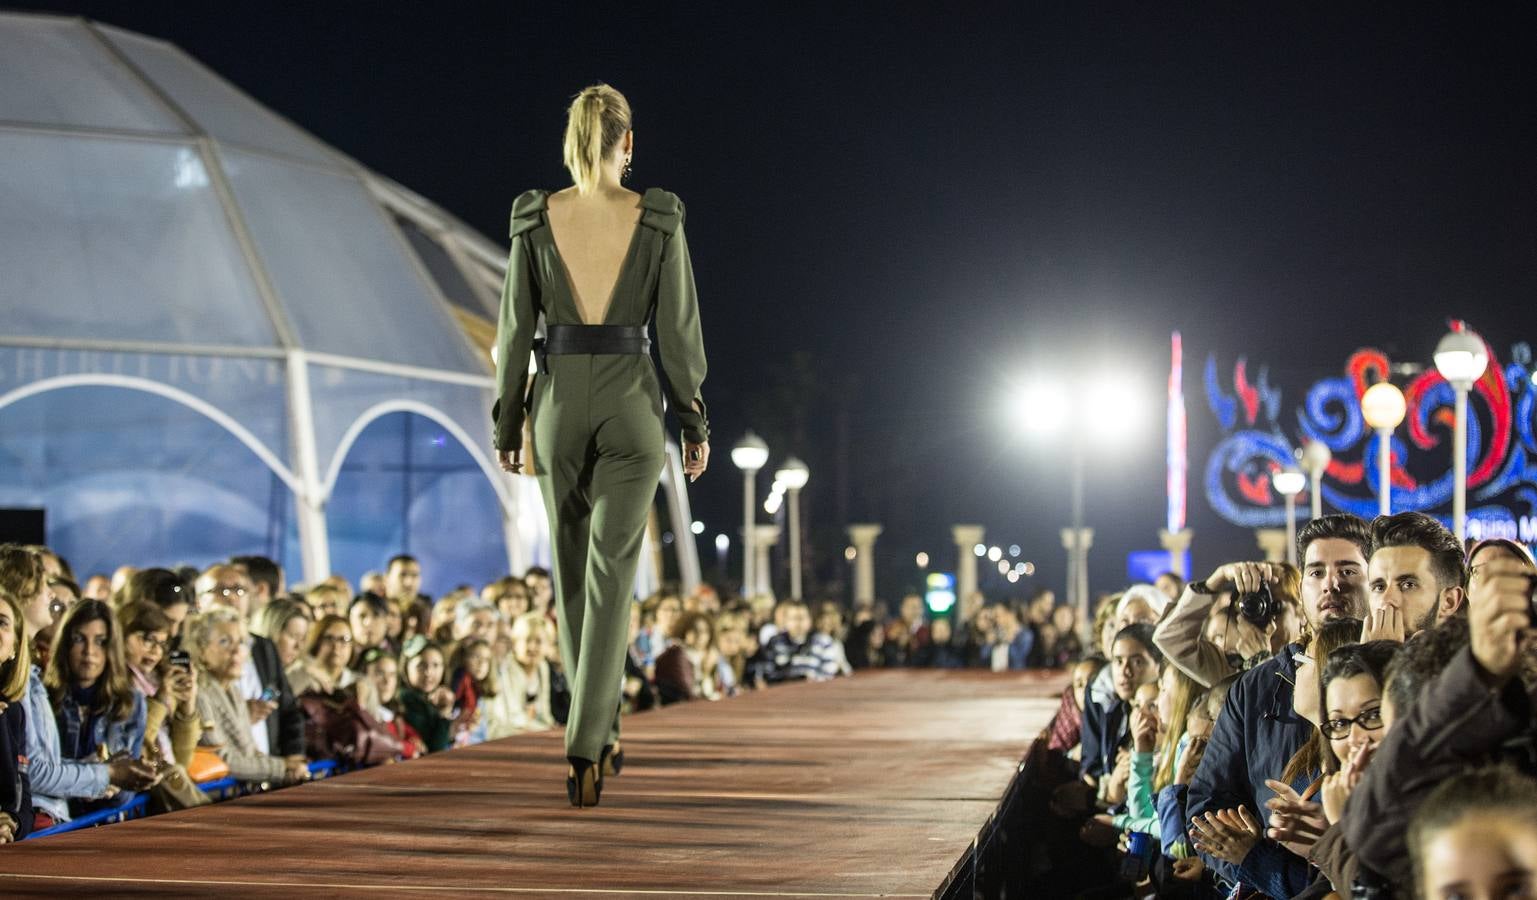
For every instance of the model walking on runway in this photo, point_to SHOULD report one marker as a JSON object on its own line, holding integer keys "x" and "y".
{"x": 598, "y": 262}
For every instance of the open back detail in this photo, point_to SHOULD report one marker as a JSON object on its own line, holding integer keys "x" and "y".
{"x": 594, "y": 273}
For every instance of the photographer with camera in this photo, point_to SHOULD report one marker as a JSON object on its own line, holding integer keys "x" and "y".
{"x": 1259, "y": 729}
{"x": 1243, "y": 611}
{"x": 1476, "y": 710}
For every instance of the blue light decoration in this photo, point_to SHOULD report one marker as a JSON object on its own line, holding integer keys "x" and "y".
{"x": 1257, "y": 441}
{"x": 940, "y": 596}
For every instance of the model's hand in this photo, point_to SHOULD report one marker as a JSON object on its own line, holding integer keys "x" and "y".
{"x": 510, "y": 460}
{"x": 696, "y": 458}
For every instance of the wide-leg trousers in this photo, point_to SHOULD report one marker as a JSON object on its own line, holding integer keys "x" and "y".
{"x": 598, "y": 451}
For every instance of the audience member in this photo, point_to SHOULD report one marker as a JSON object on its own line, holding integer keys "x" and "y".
{"x": 796, "y": 653}
{"x": 98, "y": 712}
{"x": 171, "y": 723}
{"x": 15, "y": 786}
{"x": 369, "y": 616}
{"x": 1475, "y": 836}
{"x": 1259, "y": 730}
{"x": 939, "y": 652}
{"x": 265, "y": 578}
{"x": 55, "y": 778}
{"x": 327, "y": 599}
{"x": 528, "y": 678}
{"x": 426, "y": 701}
{"x": 1416, "y": 576}
{"x": 325, "y": 667}
{"x": 687, "y": 670}
{"x": 1213, "y": 631}
{"x": 215, "y": 640}
{"x": 402, "y": 585}
{"x": 378, "y": 691}
{"x": 162, "y": 587}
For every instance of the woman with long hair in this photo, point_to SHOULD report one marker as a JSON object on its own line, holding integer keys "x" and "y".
{"x": 15, "y": 666}
{"x": 98, "y": 711}
{"x": 598, "y": 262}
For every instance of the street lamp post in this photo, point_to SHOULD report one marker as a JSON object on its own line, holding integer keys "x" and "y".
{"x": 1290, "y": 482}
{"x": 794, "y": 475}
{"x": 1106, "y": 408}
{"x": 1383, "y": 407}
{"x": 1461, "y": 359}
{"x": 1316, "y": 457}
{"x": 749, "y": 455}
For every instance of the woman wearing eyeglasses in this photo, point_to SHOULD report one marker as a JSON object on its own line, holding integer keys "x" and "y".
{"x": 324, "y": 667}
{"x": 98, "y": 712}
{"x": 172, "y": 724}
{"x": 216, "y": 642}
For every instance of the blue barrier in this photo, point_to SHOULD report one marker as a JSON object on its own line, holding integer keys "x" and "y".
{"x": 219, "y": 789}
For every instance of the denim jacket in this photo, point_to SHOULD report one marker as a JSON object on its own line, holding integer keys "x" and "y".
{"x": 120, "y": 736}
{"x": 54, "y": 778}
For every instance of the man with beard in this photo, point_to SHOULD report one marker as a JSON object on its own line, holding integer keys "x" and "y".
{"x": 1258, "y": 730}
{"x": 1415, "y": 577}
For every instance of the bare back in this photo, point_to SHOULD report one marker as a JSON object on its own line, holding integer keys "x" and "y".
{"x": 592, "y": 236}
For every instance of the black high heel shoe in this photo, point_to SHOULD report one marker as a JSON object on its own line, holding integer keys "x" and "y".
{"x": 612, "y": 759}
{"x": 585, "y": 783}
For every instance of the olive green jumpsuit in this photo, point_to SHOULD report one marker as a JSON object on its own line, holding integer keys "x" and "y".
{"x": 598, "y": 434}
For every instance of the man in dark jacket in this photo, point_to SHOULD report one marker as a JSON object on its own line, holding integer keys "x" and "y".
{"x": 1258, "y": 730}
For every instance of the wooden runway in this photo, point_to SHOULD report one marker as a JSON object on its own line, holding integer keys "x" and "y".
{"x": 869, "y": 786}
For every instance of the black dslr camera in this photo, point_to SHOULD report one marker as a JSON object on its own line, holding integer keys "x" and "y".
{"x": 1258, "y": 608}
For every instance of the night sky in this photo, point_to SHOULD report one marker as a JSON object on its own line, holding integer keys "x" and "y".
{"x": 893, "y": 213}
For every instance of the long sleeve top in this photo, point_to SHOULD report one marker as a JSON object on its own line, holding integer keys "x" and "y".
{"x": 55, "y": 779}
{"x": 655, "y": 284}
{"x": 231, "y": 733}
{"x": 1181, "y": 636}
{"x": 1141, "y": 807}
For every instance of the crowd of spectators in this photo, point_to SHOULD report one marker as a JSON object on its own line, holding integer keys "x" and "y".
{"x": 152, "y": 681}
{"x": 1361, "y": 727}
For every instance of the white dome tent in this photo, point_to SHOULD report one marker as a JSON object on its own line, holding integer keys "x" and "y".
{"x": 220, "y": 335}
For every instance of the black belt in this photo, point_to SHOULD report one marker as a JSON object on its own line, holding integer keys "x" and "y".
{"x": 564, "y": 340}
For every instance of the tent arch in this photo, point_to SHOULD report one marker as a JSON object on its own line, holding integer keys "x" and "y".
{"x": 144, "y": 385}
{"x": 379, "y": 410}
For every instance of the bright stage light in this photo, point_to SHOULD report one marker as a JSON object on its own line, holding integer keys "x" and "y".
{"x": 922, "y": 559}
{"x": 1112, "y": 405}
{"x": 995, "y": 553}
{"x": 697, "y": 527}
{"x": 1040, "y": 409}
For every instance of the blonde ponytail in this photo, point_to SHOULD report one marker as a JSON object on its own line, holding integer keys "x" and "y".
{"x": 598, "y": 118}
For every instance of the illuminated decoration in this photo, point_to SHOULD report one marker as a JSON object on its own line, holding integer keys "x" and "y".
{"x": 940, "y": 596}
{"x": 1258, "y": 442}
{"x": 1176, "y": 456}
